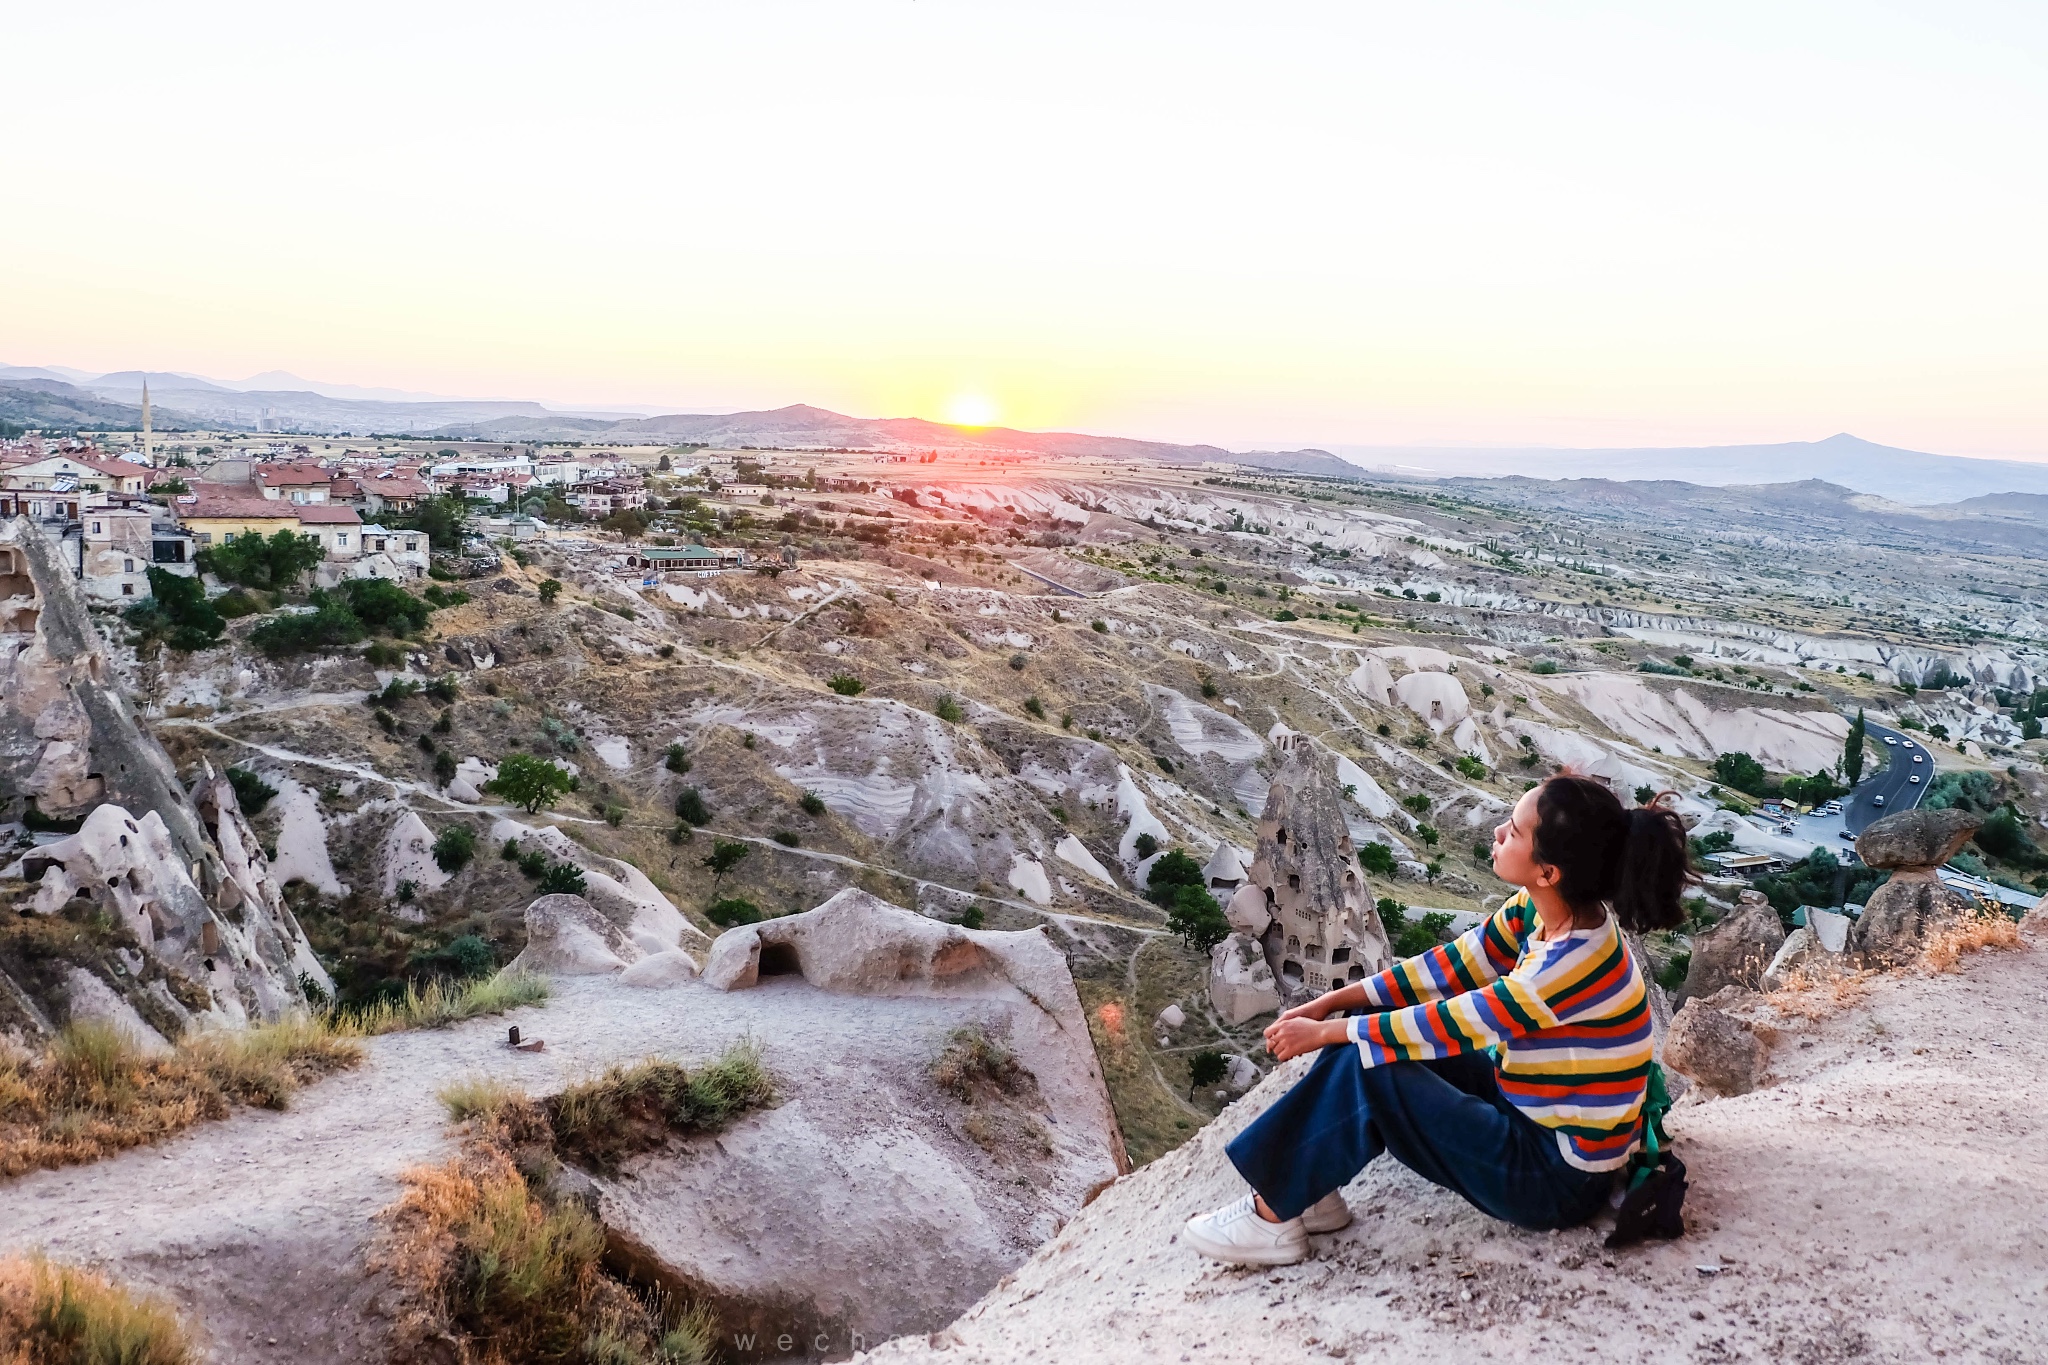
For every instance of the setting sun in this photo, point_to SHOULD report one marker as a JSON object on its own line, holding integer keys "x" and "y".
{"x": 970, "y": 410}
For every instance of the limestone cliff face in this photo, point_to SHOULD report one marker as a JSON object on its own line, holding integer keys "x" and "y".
{"x": 185, "y": 923}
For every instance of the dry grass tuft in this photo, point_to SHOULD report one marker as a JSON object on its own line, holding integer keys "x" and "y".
{"x": 54, "y": 1314}
{"x": 1978, "y": 928}
{"x": 94, "y": 1092}
{"x": 974, "y": 1063}
{"x": 440, "y": 1004}
{"x": 1820, "y": 990}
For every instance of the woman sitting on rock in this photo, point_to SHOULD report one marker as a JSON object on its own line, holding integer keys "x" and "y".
{"x": 1547, "y": 983}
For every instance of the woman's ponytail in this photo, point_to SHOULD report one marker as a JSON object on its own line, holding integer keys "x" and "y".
{"x": 1605, "y": 854}
{"x": 1654, "y": 871}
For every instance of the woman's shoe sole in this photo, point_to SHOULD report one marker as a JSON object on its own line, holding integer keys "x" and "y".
{"x": 1236, "y": 1255}
{"x": 1321, "y": 1228}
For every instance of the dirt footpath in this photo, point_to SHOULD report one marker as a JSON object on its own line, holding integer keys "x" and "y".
{"x": 1885, "y": 1198}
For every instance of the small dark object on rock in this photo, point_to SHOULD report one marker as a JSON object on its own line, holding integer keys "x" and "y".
{"x": 1654, "y": 1208}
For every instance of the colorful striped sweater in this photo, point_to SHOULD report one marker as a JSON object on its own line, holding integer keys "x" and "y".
{"x": 1570, "y": 1018}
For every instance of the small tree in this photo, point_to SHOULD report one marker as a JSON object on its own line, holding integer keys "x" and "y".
{"x": 550, "y": 589}
{"x": 1377, "y": 859}
{"x": 530, "y": 783}
{"x": 454, "y": 847}
{"x": 678, "y": 760}
{"x": 811, "y": 803}
{"x": 1205, "y": 1068}
{"x": 1197, "y": 918}
{"x": 726, "y": 854}
{"x": 690, "y": 807}
{"x": 1852, "y": 750}
{"x": 1428, "y": 835}
{"x": 252, "y": 793}
{"x": 1145, "y": 845}
{"x": 846, "y": 684}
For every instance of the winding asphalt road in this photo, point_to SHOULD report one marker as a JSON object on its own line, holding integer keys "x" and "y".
{"x": 1893, "y": 782}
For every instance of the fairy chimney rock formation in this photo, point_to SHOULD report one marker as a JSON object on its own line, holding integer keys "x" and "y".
{"x": 1323, "y": 929}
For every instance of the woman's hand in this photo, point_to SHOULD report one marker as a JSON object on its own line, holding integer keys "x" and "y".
{"x": 1293, "y": 1033}
{"x": 1319, "y": 1008}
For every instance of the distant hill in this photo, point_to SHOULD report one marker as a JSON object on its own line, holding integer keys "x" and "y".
{"x": 1909, "y": 476}
{"x": 54, "y": 404}
{"x": 1791, "y": 510}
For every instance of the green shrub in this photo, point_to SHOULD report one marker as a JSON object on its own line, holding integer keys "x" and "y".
{"x": 1416, "y": 802}
{"x": 252, "y": 793}
{"x": 550, "y": 589}
{"x": 972, "y": 918}
{"x": 331, "y": 624}
{"x": 454, "y": 847}
{"x": 1197, "y": 918}
{"x": 677, "y": 759}
{"x": 1145, "y": 845}
{"x": 1377, "y": 859}
{"x": 691, "y": 808}
{"x": 384, "y": 607}
{"x": 1205, "y": 1068}
{"x": 730, "y": 910}
{"x": 1544, "y": 666}
{"x": 177, "y": 614}
{"x": 787, "y": 838}
{"x": 947, "y": 708}
{"x": 1035, "y": 707}
{"x": 811, "y": 803}
{"x": 562, "y": 879}
{"x": 53, "y": 1314}
{"x": 846, "y": 684}
{"x": 534, "y": 863}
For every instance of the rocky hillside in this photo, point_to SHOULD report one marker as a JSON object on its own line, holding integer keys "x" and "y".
{"x": 1879, "y": 1198}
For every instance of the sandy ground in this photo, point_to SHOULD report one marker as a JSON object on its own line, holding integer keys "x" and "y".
{"x": 256, "y": 1226}
{"x": 1885, "y": 1198}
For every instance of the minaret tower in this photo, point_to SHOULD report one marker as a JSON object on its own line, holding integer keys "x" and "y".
{"x": 148, "y": 456}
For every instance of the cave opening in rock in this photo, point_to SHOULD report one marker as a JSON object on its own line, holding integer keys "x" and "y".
{"x": 779, "y": 959}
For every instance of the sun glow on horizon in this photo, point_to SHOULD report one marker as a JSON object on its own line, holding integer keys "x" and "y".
{"x": 971, "y": 410}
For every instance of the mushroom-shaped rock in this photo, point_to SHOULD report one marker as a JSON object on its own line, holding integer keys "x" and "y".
{"x": 860, "y": 944}
{"x": 566, "y": 936}
{"x": 1736, "y": 951}
{"x": 1241, "y": 984}
{"x": 1915, "y": 839}
{"x": 1900, "y": 913}
{"x": 1715, "y": 1048}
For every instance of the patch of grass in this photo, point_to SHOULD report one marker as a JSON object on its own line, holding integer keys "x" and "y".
{"x": 633, "y": 1109}
{"x": 94, "y": 1093}
{"x": 477, "y": 1095}
{"x": 442, "y": 1003}
{"x": 1973, "y": 931}
{"x": 52, "y": 1314}
{"x": 974, "y": 1063}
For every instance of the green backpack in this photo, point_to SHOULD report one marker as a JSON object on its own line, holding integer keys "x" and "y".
{"x": 1654, "y": 1202}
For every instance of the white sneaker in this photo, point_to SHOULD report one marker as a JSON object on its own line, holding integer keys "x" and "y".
{"x": 1235, "y": 1233}
{"x": 1328, "y": 1214}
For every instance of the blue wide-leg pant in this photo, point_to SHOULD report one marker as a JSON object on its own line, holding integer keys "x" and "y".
{"x": 1446, "y": 1120}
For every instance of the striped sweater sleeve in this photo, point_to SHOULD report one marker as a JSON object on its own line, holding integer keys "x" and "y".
{"x": 1483, "y": 953}
{"x": 1553, "y": 983}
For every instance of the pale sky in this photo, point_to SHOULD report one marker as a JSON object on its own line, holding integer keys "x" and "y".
{"x": 1248, "y": 224}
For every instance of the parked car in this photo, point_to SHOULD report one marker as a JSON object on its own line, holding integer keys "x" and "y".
{"x": 1847, "y": 835}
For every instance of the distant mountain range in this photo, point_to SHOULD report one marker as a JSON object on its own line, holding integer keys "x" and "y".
{"x": 1908, "y": 476}
{"x": 278, "y": 401}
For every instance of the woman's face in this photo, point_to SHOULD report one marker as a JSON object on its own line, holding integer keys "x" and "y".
{"x": 1514, "y": 847}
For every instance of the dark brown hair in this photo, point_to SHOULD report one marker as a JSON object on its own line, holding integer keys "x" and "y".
{"x": 1608, "y": 854}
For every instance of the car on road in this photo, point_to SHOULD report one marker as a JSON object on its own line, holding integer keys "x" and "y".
{"x": 1907, "y": 743}
{"x": 1919, "y": 758}
{"x": 1914, "y": 779}
{"x": 1890, "y": 740}
{"x": 1847, "y": 835}
{"x": 1877, "y": 800}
